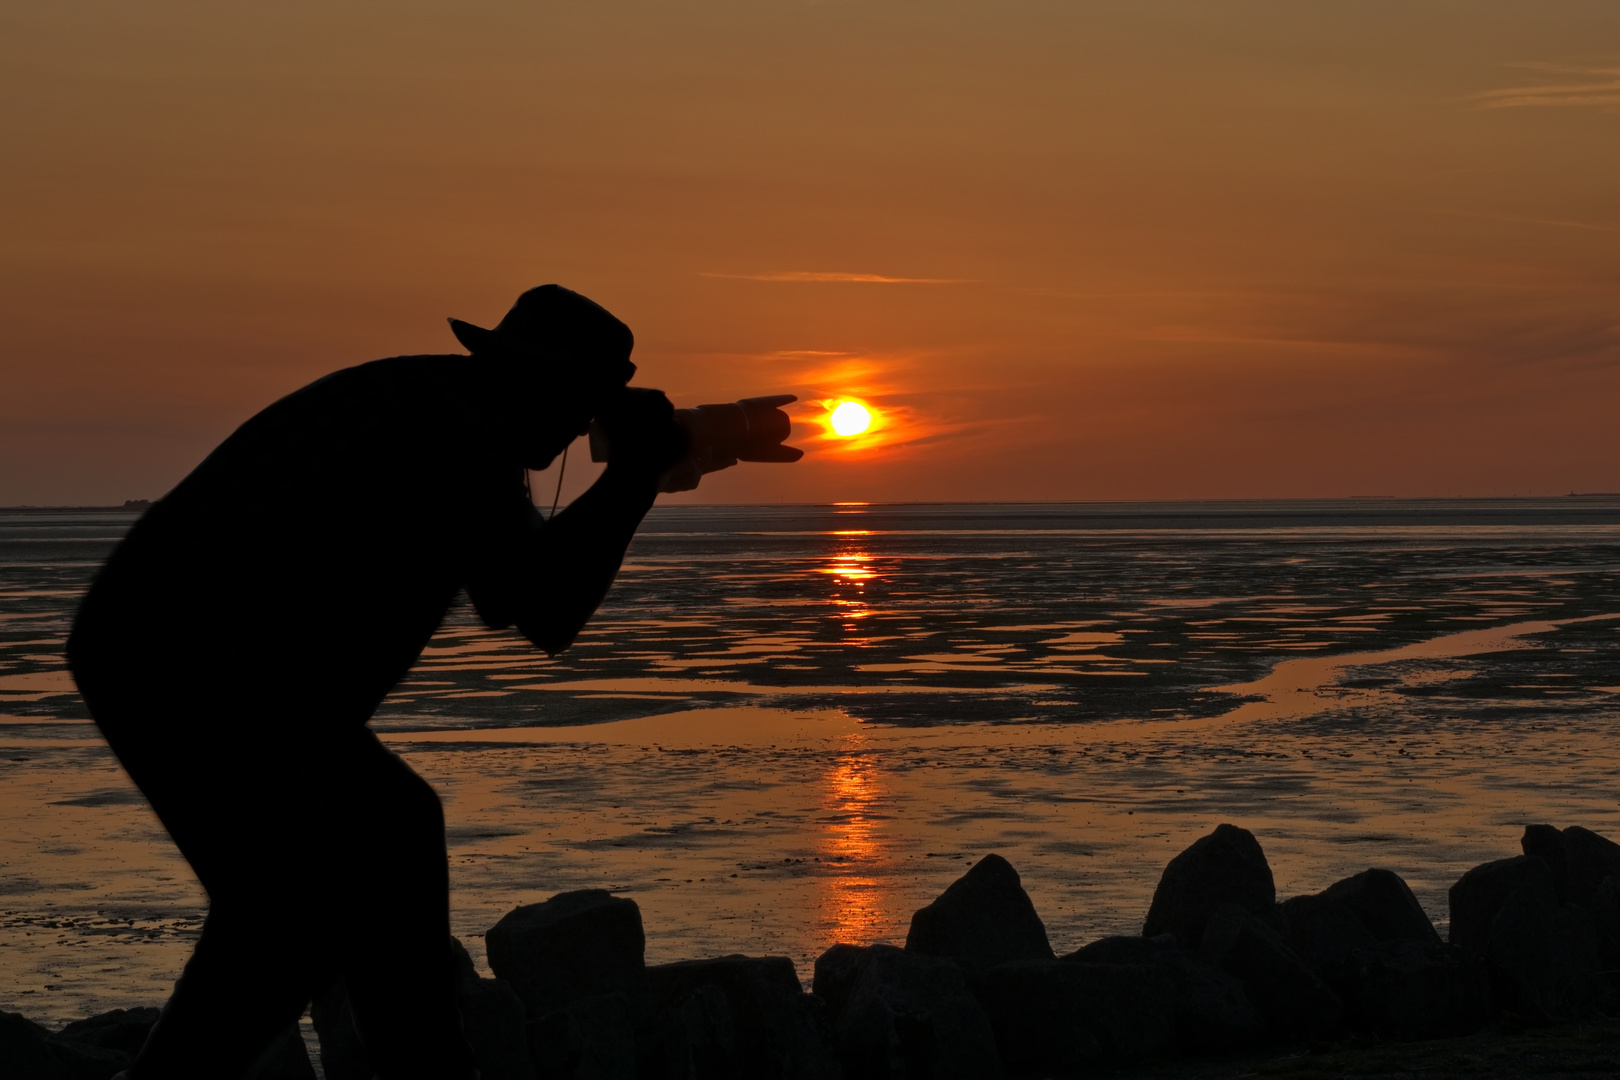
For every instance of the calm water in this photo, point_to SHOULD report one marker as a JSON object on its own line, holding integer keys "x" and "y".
{"x": 790, "y": 726}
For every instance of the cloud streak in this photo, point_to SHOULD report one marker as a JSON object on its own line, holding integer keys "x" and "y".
{"x": 1562, "y": 95}
{"x": 838, "y": 277}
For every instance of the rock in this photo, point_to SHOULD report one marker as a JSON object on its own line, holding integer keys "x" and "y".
{"x": 1294, "y": 1003}
{"x": 1227, "y": 866}
{"x": 1544, "y": 955}
{"x": 124, "y": 1030}
{"x": 837, "y": 971}
{"x": 594, "y": 1038}
{"x": 1578, "y": 858}
{"x": 1209, "y": 1009}
{"x": 1369, "y": 941}
{"x": 1405, "y": 989}
{"x": 1385, "y": 906}
{"x": 1479, "y": 894}
{"x": 1323, "y": 933}
{"x": 27, "y": 1053}
{"x": 1546, "y": 843}
{"x": 899, "y": 1015}
{"x": 695, "y": 1039}
{"x": 575, "y": 945}
{"x": 285, "y": 1059}
{"x": 492, "y": 1016}
{"x": 494, "y": 1020}
{"x": 985, "y": 918}
{"x": 1605, "y": 911}
{"x": 778, "y": 1029}
{"x": 1053, "y": 1015}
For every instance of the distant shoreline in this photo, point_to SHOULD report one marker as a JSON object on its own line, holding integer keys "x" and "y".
{"x": 133, "y": 505}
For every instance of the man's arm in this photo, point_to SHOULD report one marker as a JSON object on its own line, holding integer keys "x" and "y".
{"x": 567, "y": 564}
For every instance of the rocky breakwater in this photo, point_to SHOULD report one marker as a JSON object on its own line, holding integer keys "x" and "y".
{"x": 1220, "y": 968}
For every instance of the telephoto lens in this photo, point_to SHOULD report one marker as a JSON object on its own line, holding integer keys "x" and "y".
{"x": 752, "y": 429}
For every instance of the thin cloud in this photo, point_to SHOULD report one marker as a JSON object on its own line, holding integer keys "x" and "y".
{"x": 820, "y": 276}
{"x": 1561, "y": 95}
{"x": 1559, "y": 223}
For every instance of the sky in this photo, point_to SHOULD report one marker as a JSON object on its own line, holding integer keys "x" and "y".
{"x": 1066, "y": 250}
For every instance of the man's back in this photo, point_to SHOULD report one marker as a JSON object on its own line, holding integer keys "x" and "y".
{"x": 326, "y": 537}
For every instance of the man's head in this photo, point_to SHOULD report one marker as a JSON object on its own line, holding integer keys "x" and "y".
{"x": 561, "y": 356}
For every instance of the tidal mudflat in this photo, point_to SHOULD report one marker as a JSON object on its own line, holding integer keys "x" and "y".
{"x": 794, "y": 726}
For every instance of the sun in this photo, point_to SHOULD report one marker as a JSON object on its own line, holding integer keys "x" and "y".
{"x": 849, "y": 418}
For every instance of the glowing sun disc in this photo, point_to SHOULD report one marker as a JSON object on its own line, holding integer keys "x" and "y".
{"x": 850, "y": 418}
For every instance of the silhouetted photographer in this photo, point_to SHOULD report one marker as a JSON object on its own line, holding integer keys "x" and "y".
{"x": 238, "y": 640}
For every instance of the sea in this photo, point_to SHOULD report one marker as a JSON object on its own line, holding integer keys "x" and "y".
{"x": 792, "y": 726}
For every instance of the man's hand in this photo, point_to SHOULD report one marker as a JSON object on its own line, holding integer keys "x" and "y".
{"x": 641, "y": 431}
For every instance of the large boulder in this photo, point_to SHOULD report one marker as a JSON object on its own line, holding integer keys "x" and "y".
{"x": 1545, "y": 956}
{"x": 898, "y": 1015}
{"x": 1385, "y": 906}
{"x": 1323, "y": 933}
{"x": 1369, "y": 941}
{"x": 1056, "y": 1016}
{"x": 1208, "y": 1008}
{"x": 985, "y": 918}
{"x": 1405, "y": 989}
{"x": 1294, "y": 1003}
{"x": 1579, "y": 860}
{"x": 592, "y": 1038}
{"x": 30, "y": 1052}
{"x": 104, "y": 1045}
{"x": 1479, "y": 894}
{"x": 778, "y": 1032}
{"x": 575, "y": 945}
{"x": 124, "y": 1030}
{"x": 693, "y": 1039}
{"x": 1225, "y": 867}
{"x": 492, "y": 1015}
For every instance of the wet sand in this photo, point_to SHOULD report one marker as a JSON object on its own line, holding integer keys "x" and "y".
{"x": 744, "y": 778}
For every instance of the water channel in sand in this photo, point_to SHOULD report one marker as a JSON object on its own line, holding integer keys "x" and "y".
{"x": 738, "y": 748}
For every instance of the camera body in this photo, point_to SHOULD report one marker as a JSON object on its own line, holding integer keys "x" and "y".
{"x": 719, "y": 436}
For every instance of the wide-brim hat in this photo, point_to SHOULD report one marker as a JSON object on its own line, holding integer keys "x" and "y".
{"x": 558, "y": 329}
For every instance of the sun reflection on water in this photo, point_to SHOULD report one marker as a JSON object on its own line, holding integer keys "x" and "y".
{"x": 855, "y": 897}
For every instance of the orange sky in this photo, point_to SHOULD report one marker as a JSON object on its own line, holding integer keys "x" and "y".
{"x": 1077, "y": 251}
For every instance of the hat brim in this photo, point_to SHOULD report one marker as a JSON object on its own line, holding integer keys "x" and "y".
{"x": 475, "y": 339}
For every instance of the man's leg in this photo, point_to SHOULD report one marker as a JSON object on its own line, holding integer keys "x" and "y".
{"x": 388, "y": 852}
{"x": 239, "y": 813}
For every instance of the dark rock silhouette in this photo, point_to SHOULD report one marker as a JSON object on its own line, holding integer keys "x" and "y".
{"x": 1368, "y": 939}
{"x": 493, "y": 1020}
{"x": 1227, "y": 866}
{"x": 1385, "y": 906}
{"x": 121, "y": 1029}
{"x": 898, "y": 1015}
{"x": 1405, "y": 989}
{"x": 777, "y": 1030}
{"x": 1360, "y": 955}
{"x": 104, "y": 1045}
{"x": 1479, "y": 894}
{"x": 694, "y": 1038}
{"x": 573, "y": 946}
{"x": 30, "y": 1052}
{"x": 984, "y": 918}
{"x": 1579, "y": 860}
{"x": 1544, "y": 955}
{"x": 591, "y": 1037}
{"x": 1323, "y": 933}
{"x": 1059, "y": 1016}
{"x": 1209, "y": 1008}
{"x": 1294, "y": 1003}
